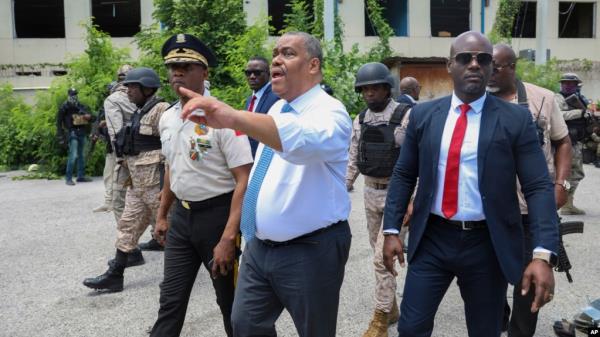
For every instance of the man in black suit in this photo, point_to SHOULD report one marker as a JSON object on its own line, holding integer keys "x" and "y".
{"x": 409, "y": 91}
{"x": 262, "y": 98}
{"x": 467, "y": 151}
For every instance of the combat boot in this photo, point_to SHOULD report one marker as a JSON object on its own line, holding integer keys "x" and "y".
{"x": 151, "y": 245}
{"x": 570, "y": 209}
{"x": 394, "y": 314}
{"x": 378, "y": 326}
{"x": 597, "y": 163}
{"x": 134, "y": 258}
{"x": 111, "y": 280}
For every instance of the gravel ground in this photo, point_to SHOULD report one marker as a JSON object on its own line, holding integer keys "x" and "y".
{"x": 51, "y": 241}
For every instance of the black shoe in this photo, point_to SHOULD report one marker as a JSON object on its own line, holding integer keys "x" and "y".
{"x": 151, "y": 245}
{"x": 134, "y": 258}
{"x": 84, "y": 180}
{"x": 111, "y": 280}
{"x": 70, "y": 182}
{"x": 597, "y": 163}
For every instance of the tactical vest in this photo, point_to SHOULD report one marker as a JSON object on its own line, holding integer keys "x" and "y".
{"x": 129, "y": 140}
{"x": 377, "y": 150}
{"x": 578, "y": 127}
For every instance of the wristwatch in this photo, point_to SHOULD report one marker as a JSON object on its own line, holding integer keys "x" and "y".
{"x": 565, "y": 184}
{"x": 550, "y": 258}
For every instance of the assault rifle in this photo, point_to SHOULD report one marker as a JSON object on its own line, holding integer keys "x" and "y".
{"x": 564, "y": 228}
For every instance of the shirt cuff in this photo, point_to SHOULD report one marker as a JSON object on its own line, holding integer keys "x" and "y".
{"x": 541, "y": 249}
{"x": 391, "y": 231}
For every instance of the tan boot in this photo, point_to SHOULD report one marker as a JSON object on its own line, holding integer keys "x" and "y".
{"x": 394, "y": 314}
{"x": 570, "y": 209}
{"x": 378, "y": 326}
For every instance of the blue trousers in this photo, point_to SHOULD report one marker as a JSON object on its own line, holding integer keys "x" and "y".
{"x": 76, "y": 146}
{"x": 444, "y": 253}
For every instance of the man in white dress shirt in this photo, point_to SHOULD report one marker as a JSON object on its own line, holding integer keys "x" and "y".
{"x": 298, "y": 215}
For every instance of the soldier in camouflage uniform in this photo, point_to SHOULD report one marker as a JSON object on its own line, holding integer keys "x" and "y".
{"x": 594, "y": 145}
{"x": 375, "y": 82}
{"x": 570, "y": 84}
{"x": 143, "y": 157}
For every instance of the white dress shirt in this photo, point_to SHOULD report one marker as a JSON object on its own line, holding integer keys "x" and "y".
{"x": 304, "y": 188}
{"x": 470, "y": 206}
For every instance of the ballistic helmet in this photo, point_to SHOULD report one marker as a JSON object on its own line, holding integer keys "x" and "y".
{"x": 143, "y": 76}
{"x": 570, "y": 77}
{"x": 373, "y": 73}
{"x": 72, "y": 92}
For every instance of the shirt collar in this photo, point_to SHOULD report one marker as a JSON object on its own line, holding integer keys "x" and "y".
{"x": 410, "y": 98}
{"x": 306, "y": 98}
{"x": 476, "y": 105}
{"x": 262, "y": 90}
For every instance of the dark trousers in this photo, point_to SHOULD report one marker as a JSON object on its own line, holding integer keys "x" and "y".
{"x": 190, "y": 241}
{"x": 446, "y": 252}
{"x": 303, "y": 277}
{"x": 76, "y": 146}
{"x": 522, "y": 322}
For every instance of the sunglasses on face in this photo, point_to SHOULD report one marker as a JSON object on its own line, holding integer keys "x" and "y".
{"x": 256, "y": 72}
{"x": 465, "y": 58}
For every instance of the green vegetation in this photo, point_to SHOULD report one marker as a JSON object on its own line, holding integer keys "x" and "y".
{"x": 27, "y": 133}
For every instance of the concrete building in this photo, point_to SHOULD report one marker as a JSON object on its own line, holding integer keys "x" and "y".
{"x": 423, "y": 28}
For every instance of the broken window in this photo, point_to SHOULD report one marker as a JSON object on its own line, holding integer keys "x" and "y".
{"x": 450, "y": 17}
{"x": 576, "y": 19}
{"x": 39, "y": 18}
{"x": 118, "y": 18}
{"x": 278, "y": 9}
{"x": 525, "y": 21}
{"x": 395, "y": 12}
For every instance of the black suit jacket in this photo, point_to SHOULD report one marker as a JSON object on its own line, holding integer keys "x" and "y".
{"x": 264, "y": 104}
{"x": 406, "y": 100}
{"x": 508, "y": 147}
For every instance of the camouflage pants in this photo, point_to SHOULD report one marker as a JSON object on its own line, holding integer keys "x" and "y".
{"x": 595, "y": 147}
{"x": 385, "y": 282}
{"x": 120, "y": 178}
{"x": 141, "y": 205}
{"x": 577, "y": 173}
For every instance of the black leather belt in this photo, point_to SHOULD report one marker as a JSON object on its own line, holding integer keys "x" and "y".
{"x": 464, "y": 225}
{"x": 220, "y": 200}
{"x": 300, "y": 238}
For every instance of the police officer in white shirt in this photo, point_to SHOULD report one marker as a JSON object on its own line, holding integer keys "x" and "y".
{"x": 298, "y": 215}
{"x": 206, "y": 179}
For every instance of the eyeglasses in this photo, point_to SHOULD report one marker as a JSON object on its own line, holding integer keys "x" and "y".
{"x": 498, "y": 67}
{"x": 464, "y": 58}
{"x": 256, "y": 72}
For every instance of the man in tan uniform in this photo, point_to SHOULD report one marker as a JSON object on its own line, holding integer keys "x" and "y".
{"x": 375, "y": 160}
{"x": 141, "y": 147}
{"x": 110, "y": 160}
{"x": 118, "y": 111}
{"x": 553, "y": 132}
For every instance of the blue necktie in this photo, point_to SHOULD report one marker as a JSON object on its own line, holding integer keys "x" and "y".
{"x": 248, "y": 221}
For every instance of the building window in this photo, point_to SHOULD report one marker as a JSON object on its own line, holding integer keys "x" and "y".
{"x": 278, "y": 9}
{"x": 576, "y": 19}
{"x": 395, "y": 13}
{"x": 525, "y": 22}
{"x": 450, "y": 17}
{"x": 118, "y": 18}
{"x": 39, "y": 18}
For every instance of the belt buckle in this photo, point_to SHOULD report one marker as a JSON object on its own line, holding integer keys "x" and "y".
{"x": 185, "y": 204}
{"x": 464, "y": 228}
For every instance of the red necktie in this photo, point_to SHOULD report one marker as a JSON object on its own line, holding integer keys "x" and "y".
{"x": 251, "y": 106}
{"x": 450, "y": 198}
